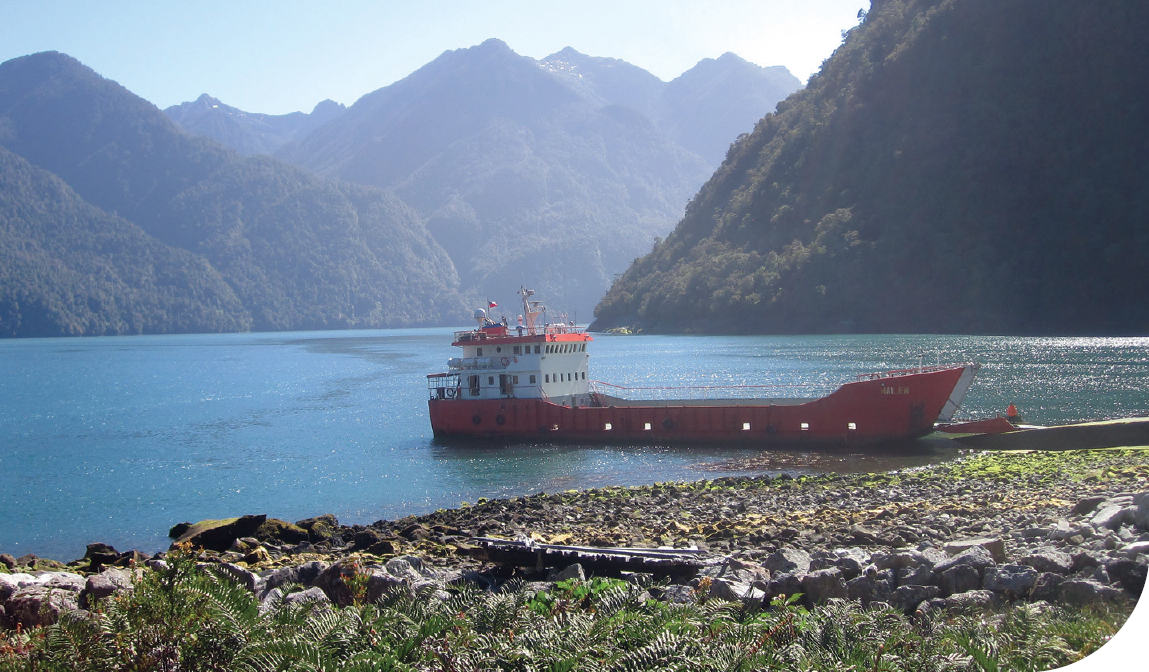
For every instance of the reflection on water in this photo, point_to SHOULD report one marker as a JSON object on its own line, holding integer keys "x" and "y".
{"x": 116, "y": 439}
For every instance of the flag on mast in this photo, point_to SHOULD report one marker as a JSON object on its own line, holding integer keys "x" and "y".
{"x": 492, "y": 304}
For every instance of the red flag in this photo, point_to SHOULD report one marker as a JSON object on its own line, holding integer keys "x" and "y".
{"x": 492, "y": 304}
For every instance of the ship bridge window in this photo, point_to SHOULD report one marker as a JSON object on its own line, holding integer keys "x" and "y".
{"x": 547, "y": 378}
{"x": 490, "y": 380}
{"x": 478, "y": 352}
{"x": 533, "y": 381}
{"x": 537, "y": 350}
{"x": 518, "y": 350}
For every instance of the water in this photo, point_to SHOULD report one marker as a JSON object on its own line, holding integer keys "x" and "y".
{"x": 116, "y": 439}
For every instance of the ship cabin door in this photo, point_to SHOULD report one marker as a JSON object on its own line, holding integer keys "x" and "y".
{"x": 473, "y": 384}
{"x": 506, "y": 385}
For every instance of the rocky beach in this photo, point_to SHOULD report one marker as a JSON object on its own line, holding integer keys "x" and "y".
{"x": 989, "y": 529}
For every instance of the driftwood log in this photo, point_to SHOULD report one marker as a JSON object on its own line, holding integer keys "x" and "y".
{"x": 658, "y": 561}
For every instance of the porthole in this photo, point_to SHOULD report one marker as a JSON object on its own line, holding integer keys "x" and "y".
{"x": 646, "y": 426}
{"x": 851, "y": 425}
{"x": 476, "y": 419}
{"x": 500, "y": 420}
{"x": 805, "y": 426}
{"x": 607, "y": 427}
{"x": 746, "y": 426}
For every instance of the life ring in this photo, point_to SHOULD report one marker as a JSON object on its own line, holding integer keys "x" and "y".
{"x": 477, "y": 419}
{"x": 506, "y": 360}
{"x": 668, "y": 424}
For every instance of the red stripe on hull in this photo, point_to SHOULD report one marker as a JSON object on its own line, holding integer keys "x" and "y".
{"x": 885, "y": 409}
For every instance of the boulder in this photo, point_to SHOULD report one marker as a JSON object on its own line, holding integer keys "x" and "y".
{"x": 900, "y": 560}
{"x": 788, "y": 561}
{"x": 678, "y": 594}
{"x": 39, "y": 605}
{"x": 823, "y": 584}
{"x": 569, "y": 572}
{"x": 1111, "y": 514}
{"x": 1141, "y": 513}
{"x": 1082, "y": 592}
{"x": 304, "y": 574}
{"x": 1047, "y": 587}
{"x": 380, "y": 584}
{"x": 412, "y": 568}
{"x": 922, "y": 575}
{"x": 8, "y": 561}
{"x": 959, "y": 578}
{"x": 786, "y": 584}
{"x": 907, "y": 598}
{"x": 1135, "y": 549}
{"x": 733, "y": 591}
{"x": 309, "y": 595}
{"x": 99, "y": 586}
{"x": 236, "y": 574}
{"x": 1014, "y": 580}
{"x": 978, "y": 557}
{"x": 1087, "y": 505}
{"x": 319, "y": 528}
{"x": 281, "y": 531}
{"x": 974, "y": 599}
{"x": 1130, "y": 573}
{"x": 176, "y": 531}
{"x": 218, "y": 535}
{"x": 995, "y": 546}
{"x": 365, "y": 539}
{"x": 1049, "y": 560}
{"x": 101, "y": 555}
{"x": 869, "y": 588}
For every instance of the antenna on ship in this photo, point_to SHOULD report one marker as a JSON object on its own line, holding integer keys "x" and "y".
{"x": 531, "y": 309}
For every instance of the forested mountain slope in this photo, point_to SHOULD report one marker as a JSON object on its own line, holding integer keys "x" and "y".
{"x": 956, "y": 166}
{"x": 296, "y": 251}
{"x": 249, "y": 132}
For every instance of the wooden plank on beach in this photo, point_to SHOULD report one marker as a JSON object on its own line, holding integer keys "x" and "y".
{"x": 668, "y": 561}
{"x": 1108, "y": 434}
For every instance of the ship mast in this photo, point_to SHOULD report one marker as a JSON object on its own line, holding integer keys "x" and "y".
{"x": 531, "y": 309}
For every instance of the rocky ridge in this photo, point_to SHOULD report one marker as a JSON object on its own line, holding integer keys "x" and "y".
{"x": 990, "y": 529}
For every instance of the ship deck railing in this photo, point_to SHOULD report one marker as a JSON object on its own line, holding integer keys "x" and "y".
{"x": 893, "y": 373}
{"x": 797, "y": 393}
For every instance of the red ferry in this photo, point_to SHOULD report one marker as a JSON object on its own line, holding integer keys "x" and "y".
{"x": 530, "y": 382}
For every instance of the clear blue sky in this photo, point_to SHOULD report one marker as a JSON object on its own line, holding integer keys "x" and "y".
{"x": 287, "y": 55}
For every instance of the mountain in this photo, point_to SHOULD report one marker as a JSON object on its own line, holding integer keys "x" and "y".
{"x": 295, "y": 251}
{"x": 553, "y": 173}
{"x": 68, "y": 268}
{"x": 249, "y": 133}
{"x": 955, "y": 167}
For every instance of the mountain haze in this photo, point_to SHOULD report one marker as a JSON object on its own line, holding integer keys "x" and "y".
{"x": 553, "y": 173}
{"x": 293, "y": 251}
{"x": 956, "y": 166}
{"x": 247, "y": 132}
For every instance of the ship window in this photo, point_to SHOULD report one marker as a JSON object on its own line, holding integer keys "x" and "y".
{"x": 746, "y": 426}
{"x": 515, "y": 380}
{"x": 584, "y": 375}
{"x": 548, "y": 377}
{"x": 805, "y": 426}
{"x": 533, "y": 380}
{"x": 607, "y": 427}
{"x": 646, "y": 426}
{"x": 478, "y": 352}
{"x": 498, "y": 349}
{"x": 536, "y": 349}
{"x": 518, "y": 350}
{"x": 490, "y": 380}
{"x": 851, "y": 425}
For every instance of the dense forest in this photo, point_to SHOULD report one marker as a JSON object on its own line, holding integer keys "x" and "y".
{"x": 956, "y": 166}
{"x": 113, "y": 221}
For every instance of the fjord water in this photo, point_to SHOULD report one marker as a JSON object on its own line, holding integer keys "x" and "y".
{"x": 116, "y": 439}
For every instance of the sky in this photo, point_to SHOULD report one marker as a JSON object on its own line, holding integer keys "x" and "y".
{"x": 287, "y": 55}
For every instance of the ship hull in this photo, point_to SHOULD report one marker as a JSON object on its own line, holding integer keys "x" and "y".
{"x": 884, "y": 408}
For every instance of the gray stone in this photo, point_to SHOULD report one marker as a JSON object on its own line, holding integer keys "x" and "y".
{"x": 730, "y": 591}
{"x": 380, "y": 584}
{"x": 309, "y": 595}
{"x": 1047, "y": 587}
{"x": 1087, "y": 505}
{"x": 899, "y": 560}
{"x": 100, "y": 586}
{"x": 868, "y": 588}
{"x": 63, "y": 581}
{"x": 922, "y": 575}
{"x": 410, "y": 567}
{"x": 824, "y": 584}
{"x": 974, "y": 599}
{"x": 1077, "y": 592}
{"x": 574, "y": 571}
{"x": 1111, "y": 515}
{"x": 236, "y": 574}
{"x": 995, "y": 546}
{"x": 907, "y": 598}
{"x": 1135, "y": 549}
{"x": 1049, "y": 560}
{"x": 978, "y": 557}
{"x": 788, "y": 561}
{"x": 783, "y": 584}
{"x": 304, "y": 574}
{"x": 1131, "y": 574}
{"x": 1010, "y": 579}
{"x": 959, "y": 579}
{"x": 39, "y": 605}
{"x": 1141, "y": 514}
{"x": 678, "y": 594}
